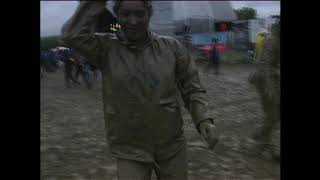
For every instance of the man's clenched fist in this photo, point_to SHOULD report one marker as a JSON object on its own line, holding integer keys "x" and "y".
{"x": 210, "y": 133}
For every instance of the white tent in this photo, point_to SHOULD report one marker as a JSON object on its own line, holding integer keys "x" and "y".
{"x": 167, "y": 12}
{"x": 218, "y": 10}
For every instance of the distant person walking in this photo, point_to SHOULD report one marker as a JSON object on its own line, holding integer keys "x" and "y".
{"x": 215, "y": 57}
{"x": 69, "y": 62}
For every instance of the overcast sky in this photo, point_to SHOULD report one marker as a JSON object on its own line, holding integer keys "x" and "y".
{"x": 54, "y": 13}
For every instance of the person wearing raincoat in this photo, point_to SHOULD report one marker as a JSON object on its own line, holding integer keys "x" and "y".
{"x": 266, "y": 79}
{"x": 259, "y": 45}
{"x": 142, "y": 75}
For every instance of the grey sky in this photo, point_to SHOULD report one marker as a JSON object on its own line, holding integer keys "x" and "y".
{"x": 54, "y": 13}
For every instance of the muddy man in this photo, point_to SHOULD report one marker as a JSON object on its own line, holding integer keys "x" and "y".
{"x": 142, "y": 75}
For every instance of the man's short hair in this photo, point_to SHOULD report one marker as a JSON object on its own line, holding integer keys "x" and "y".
{"x": 147, "y": 5}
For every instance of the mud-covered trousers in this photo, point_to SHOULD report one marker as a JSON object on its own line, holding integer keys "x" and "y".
{"x": 174, "y": 168}
{"x": 272, "y": 110}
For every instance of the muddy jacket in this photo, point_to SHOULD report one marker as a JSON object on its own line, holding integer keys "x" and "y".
{"x": 267, "y": 76}
{"x": 140, "y": 86}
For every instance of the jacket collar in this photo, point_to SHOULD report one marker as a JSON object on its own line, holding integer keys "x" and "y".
{"x": 123, "y": 40}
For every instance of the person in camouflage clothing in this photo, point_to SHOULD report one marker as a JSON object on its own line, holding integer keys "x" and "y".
{"x": 267, "y": 80}
{"x": 142, "y": 76}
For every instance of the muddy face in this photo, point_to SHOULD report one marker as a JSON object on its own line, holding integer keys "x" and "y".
{"x": 134, "y": 20}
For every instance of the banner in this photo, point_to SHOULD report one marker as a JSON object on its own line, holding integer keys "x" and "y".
{"x": 206, "y": 38}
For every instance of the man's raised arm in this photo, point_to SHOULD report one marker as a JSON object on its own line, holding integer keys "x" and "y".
{"x": 79, "y": 31}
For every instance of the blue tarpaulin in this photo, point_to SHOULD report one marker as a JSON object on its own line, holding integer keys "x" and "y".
{"x": 206, "y": 38}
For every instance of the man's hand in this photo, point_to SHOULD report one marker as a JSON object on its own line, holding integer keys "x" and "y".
{"x": 210, "y": 133}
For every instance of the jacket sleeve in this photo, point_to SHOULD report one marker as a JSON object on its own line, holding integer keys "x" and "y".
{"x": 78, "y": 32}
{"x": 193, "y": 93}
{"x": 269, "y": 65}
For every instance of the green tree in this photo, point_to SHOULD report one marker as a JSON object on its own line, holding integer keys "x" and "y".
{"x": 246, "y": 13}
{"x": 47, "y": 43}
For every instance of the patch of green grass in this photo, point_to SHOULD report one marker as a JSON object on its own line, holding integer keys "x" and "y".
{"x": 229, "y": 57}
{"x": 47, "y": 43}
{"x": 233, "y": 56}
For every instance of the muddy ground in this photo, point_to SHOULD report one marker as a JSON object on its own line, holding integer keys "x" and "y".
{"x": 73, "y": 145}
